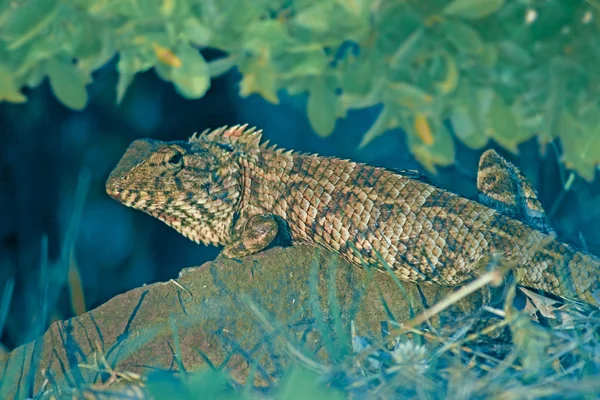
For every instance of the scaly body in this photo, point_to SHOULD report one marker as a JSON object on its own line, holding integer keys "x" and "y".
{"x": 225, "y": 188}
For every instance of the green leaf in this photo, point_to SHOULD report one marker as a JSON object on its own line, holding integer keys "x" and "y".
{"x": 409, "y": 96}
{"x": 259, "y": 77}
{"x": 167, "y": 7}
{"x": 385, "y": 121}
{"x": 555, "y": 98}
{"x": 220, "y": 66}
{"x": 473, "y": 9}
{"x": 268, "y": 35}
{"x": 408, "y": 46}
{"x": 502, "y": 126}
{"x": 357, "y": 75}
{"x": 67, "y": 83}
{"x": 298, "y": 86}
{"x": 463, "y": 37}
{"x": 87, "y": 40}
{"x": 468, "y": 111}
{"x": 34, "y": 76}
{"x": 489, "y": 57}
{"x": 192, "y": 78}
{"x": 316, "y": 17}
{"x": 400, "y": 30}
{"x": 145, "y": 9}
{"x": 355, "y": 7}
{"x": 129, "y": 64}
{"x": 465, "y": 128}
{"x": 196, "y": 32}
{"x": 322, "y": 108}
{"x": 483, "y": 100}
{"x": 9, "y": 91}
{"x": 27, "y": 20}
{"x": 30, "y": 56}
{"x": 514, "y": 53}
{"x": 301, "y": 64}
{"x": 451, "y": 78}
{"x": 580, "y": 138}
{"x": 356, "y": 80}
{"x": 433, "y": 149}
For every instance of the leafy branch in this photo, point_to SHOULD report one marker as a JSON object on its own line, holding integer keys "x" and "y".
{"x": 502, "y": 70}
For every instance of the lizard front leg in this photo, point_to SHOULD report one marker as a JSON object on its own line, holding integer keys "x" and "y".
{"x": 259, "y": 232}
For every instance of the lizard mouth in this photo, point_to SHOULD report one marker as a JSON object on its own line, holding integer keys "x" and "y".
{"x": 114, "y": 190}
{"x": 114, "y": 193}
{"x": 120, "y": 195}
{"x": 127, "y": 197}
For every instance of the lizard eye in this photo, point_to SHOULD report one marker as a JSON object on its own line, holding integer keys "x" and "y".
{"x": 174, "y": 159}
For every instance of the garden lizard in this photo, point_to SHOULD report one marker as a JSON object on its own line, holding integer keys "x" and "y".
{"x": 226, "y": 187}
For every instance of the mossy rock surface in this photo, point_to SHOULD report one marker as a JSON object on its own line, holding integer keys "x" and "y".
{"x": 207, "y": 314}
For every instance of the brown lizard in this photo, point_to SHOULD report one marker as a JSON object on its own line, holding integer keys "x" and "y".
{"x": 223, "y": 187}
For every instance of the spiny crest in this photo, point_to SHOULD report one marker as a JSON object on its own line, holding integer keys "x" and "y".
{"x": 239, "y": 135}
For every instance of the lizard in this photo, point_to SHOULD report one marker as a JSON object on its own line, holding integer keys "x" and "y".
{"x": 228, "y": 187}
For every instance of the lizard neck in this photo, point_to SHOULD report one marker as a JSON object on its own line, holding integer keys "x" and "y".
{"x": 289, "y": 185}
{"x": 263, "y": 182}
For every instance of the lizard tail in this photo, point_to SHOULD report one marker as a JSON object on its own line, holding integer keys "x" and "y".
{"x": 562, "y": 270}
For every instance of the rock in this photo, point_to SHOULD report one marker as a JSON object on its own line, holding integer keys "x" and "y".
{"x": 206, "y": 314}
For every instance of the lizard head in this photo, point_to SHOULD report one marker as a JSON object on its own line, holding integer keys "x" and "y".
{"x": 194, "y": 187}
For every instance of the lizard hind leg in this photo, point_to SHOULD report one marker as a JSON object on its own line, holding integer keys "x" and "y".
{"x": 259, "y": 232}
{"x": 502, "y": 186}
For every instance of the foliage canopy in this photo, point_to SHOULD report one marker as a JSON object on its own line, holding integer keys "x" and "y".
{"x": 496, "y": 69}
